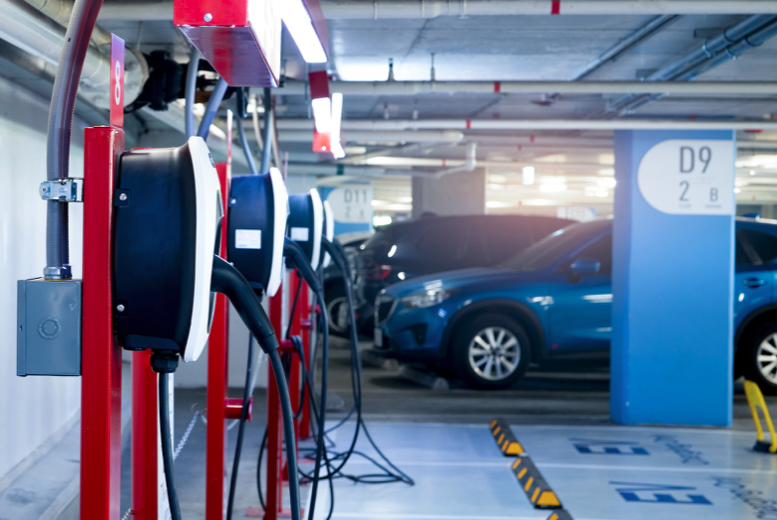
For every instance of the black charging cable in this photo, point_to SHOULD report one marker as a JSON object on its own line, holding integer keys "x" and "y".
{"x": 229, "y": 281}
{"x": 293, "y": 251}
{"x": 167, "y": 443}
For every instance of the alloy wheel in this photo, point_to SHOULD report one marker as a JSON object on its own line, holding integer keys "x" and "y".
{"x": 337, "y": 310}
{"x": 766, "y": 358}
{"x": 494, "y": 353}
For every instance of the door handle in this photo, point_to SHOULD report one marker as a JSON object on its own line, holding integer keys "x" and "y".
{"x": 754, "y": 282}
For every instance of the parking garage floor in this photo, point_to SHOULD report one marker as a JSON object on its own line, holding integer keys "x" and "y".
{"x": 600, "y": 471}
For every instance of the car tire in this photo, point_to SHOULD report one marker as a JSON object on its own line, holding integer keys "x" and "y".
{"x": 757, "y": 357}
{"x": 491, "y": 352}
{"x": 336, "y": 309}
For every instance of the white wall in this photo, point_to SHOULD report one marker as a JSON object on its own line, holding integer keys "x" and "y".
{"x": 32, "y": 409}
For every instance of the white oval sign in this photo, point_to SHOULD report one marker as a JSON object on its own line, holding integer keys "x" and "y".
{"x": 689, "y": 177}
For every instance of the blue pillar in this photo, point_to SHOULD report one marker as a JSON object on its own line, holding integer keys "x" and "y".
{"x": 673, "y": 271}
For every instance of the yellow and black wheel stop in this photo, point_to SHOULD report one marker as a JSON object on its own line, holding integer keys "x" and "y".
{"x": 533, "y": 484}
{"x": 561, "y": 514}
{"x": 505, "y": 439}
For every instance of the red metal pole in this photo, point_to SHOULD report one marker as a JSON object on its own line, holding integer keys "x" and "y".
{"x": 145, "y": 428}
{"x": 274, "y": 494}
{"x": 218, "y": 365}
{"x": 305, "y": 327}
{"x": 101, "y": 365}
{"x": 295, "y": 376}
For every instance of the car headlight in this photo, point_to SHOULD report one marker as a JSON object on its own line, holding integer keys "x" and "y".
{"x": 428, "y": 298}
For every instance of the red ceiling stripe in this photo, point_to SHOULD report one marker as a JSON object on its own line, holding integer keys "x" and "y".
{"x": 555, "y": 7}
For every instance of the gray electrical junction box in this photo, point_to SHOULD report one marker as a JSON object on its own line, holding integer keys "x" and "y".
{"x": 48, "y": 328}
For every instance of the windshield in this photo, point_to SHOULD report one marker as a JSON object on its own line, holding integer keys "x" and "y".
{"x": 548, "y": 249}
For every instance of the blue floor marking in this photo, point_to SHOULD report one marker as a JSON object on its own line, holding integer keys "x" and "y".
{"x": 461, "y": 475}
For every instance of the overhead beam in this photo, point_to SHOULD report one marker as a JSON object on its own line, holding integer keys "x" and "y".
{"x": 416, "y": 88}
{"x": 531, "y": 124}
{"x": 415, "y": 9}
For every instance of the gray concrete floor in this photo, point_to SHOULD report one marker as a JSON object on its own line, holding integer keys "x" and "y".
{"x": 572, "y": 395}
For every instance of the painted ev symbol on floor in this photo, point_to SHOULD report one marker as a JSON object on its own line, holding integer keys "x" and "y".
{"x": 608, "y": 447}
{"x": 657, "y": 494}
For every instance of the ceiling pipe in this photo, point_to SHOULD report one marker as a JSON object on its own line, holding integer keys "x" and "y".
{"x": 446, "y": 136}
{"x": 396, "y": 9}
{"x": 731, "y": 52}
{"x": 415, "y": 88}
{"x": 679, "y": 69}
{"x": 59, "y": 11}
{"x": 626, "y": 43}
{"x": 470, "y": 163}
{"x": 397, "y": 125}
{"x": 35, "y": 33}
{"x": 413, "y": 9}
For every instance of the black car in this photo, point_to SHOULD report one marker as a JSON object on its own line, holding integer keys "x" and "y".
{"x": 334, "y": 286}
{"x": 404, "y": 250}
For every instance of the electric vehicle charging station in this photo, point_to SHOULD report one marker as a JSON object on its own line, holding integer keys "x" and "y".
{"x": 153, "y": 219}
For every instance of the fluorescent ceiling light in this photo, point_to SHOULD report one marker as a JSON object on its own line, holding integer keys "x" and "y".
{"x": 496, "y": 187}
{"x": 322, "y": 115}
{"x": 399, "y": 207}
{"x": 337, "y": 117}
{"x": 495, "y": 204}
{"x": 737, "y": 190}
{"x": 497, "y": 178}
{"x": 337, "y": 150}
{"x": 596, "y": 192}
{"x": 607, "y": 171}
{"x": 297, "y": 20}
{"x": 552, "y": 188}
{"x": 337, "y": 114}
{"x": 527, "y": 175}
{"x": 607, "y": 183}
{"x": 539, "y": 202}
{"x": 607, "y": 158}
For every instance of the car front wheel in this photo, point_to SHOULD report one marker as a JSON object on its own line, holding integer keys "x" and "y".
{"x": 758, "y": 357}
{"x": 491, "y": 352}
{"x": 337, "y": 310}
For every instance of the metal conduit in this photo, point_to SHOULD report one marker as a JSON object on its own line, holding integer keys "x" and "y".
{"x": 729, "y": 53}
{"x": 35, "y": 33}
{"x": 678, "y": 69}
{"x": 627, "y": 43}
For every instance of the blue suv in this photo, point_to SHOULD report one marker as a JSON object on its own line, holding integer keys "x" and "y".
{"x": 554, "y": 300}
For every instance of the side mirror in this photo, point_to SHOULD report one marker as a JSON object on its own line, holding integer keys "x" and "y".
{"x": 584, "y": 266}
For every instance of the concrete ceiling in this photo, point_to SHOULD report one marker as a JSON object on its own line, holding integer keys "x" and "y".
{"x": 519, "y": 48}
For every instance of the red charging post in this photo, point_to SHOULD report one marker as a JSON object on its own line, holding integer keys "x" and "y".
{"x": 101, "y": 354}
{"x": 274, "y": 495}
{"x": 306, "y": 326}
{"x": 218, "y": 368}
{"x": 298, "y": 327}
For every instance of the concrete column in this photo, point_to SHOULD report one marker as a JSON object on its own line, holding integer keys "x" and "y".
{"x": 672, "y": 281}
{"x": 455, "y": 194}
